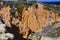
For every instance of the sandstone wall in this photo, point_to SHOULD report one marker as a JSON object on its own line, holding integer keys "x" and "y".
{"x": 36, "y": 19}
{"x": 33, "y": 19}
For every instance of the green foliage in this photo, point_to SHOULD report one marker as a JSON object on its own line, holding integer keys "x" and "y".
{"x": 21, "y": 5}
{"x": 58, "y": 31}
{"x": 47, "y": 6}
{"x": 52, "y": 7}
{"x": 57, "y": 7}
{"x": 9, "y": 3}
{"x": 13, "y": 14}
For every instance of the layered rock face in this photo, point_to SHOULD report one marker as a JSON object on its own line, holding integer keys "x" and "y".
{"x": 5, "y": 15}
{"x": 37, "y": 18}
{"x": 33, "y": 19}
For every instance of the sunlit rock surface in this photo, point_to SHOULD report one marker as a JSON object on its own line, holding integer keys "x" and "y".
{"x": 5, "y": 15}
{"x": 37, "y": 18}
{"x": 33, "y": 19}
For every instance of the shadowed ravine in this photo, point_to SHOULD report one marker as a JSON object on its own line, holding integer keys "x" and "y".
{"x": 14, "y": 30}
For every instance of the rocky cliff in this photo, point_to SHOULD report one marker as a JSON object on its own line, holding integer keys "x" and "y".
{"x": 33, "y": 19}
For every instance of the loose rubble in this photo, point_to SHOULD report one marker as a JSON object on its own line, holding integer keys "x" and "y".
{"x": 3, "y": 35}
{"x": 48, "y": 33}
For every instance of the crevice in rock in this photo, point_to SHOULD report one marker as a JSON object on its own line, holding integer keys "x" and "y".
{"x": 2, "y": 20}
{"x": 14, "y": 30}
{"x": 36, "y": 6}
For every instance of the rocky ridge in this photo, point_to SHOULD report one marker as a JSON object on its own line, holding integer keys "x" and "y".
{"x": 33, "y": 19}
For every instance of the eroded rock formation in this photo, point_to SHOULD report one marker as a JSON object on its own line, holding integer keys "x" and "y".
{"x": 36, "y": 19}
{"x": 33, "y": 19}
